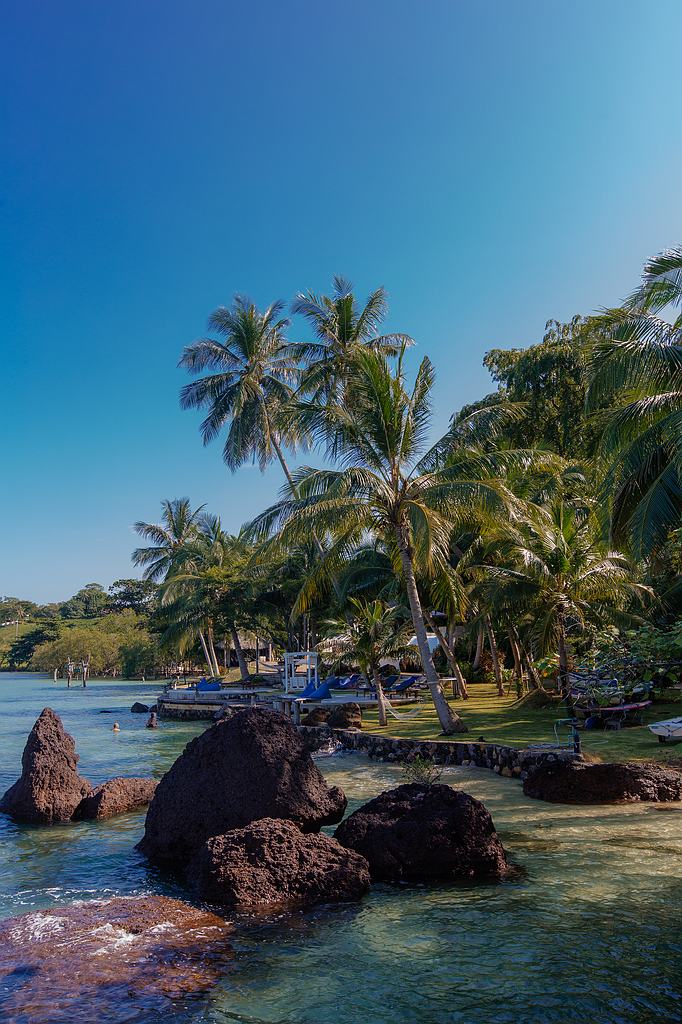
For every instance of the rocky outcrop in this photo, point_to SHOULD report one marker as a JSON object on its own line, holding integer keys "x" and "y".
{"x": 574, "y": 782}
{"x": 317, "y": 716}
{"x": 346, "y": 716}
{"x": 273, "y": 862}
{"x": 418, "y": 833}
{"x": 50, "y": 788}
{"x": 117, "y": 796}
{"x": 115, "y": 960}
{"x": 139, "y": 709}
{"x": 252, "y": 766}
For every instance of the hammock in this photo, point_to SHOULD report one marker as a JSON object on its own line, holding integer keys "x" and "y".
{"x": 407, "y": 714}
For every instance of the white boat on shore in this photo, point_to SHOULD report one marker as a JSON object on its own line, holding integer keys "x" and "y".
{"x": 670, "y": 729}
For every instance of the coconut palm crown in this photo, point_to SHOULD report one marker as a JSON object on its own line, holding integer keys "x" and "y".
{"x": 636, "y": 367}
{"x": 254, "y": 374}
{"x": 342, "y": 328}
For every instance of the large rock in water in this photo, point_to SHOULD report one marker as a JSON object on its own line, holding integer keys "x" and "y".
{"x": 117, "y": 796}
{"x": 574, "y": 782}
{"x": 50, "y": 788}
{"x": 418, "y": 833}
{"x": 117, "y": 960}
{"x": 252, "y": 766}
{"x": 272, "y": 862}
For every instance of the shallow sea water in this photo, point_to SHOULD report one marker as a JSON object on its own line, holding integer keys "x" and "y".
{"x": 588, "y": 932}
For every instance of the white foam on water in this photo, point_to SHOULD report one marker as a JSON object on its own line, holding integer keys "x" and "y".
{"x": 116, "y": 938}
{"x": 37, "y": 926}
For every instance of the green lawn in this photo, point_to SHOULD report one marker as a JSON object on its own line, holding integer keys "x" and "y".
{"x": 501, "y": 720}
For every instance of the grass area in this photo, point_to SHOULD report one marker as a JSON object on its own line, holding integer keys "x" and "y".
{"x": 503, "y": 720}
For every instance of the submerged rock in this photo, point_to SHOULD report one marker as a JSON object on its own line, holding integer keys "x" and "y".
{"x": 50, "y": 788}
{"x": 117, "y": 796}
{"x": 417, "y": 833}
{"x": 114, "y": 960}
{"x": 574, "y": 782}
{"x": 346, "y": 716}
{"x": 252, "y": 766}
{"x": 272, "y": 862}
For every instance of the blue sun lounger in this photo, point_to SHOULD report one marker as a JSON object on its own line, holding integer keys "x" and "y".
{"x": 406, "y": 684}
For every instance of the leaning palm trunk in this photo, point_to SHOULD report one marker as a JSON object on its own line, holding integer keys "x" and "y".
{"x": 479, "y": 650}
{"x": 241, "y": 660}
{"x": 205, "y": 650}
{"x": 449, "y": 721}
{"x": 381, "y": 699}
{"x": 215, "y": 666}
{"x": 459, "y": 686}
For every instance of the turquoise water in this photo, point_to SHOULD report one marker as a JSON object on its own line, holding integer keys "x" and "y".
{"x": 589, "y": 932}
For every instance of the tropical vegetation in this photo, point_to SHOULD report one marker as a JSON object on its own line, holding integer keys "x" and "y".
{"x": 540, "y": 532}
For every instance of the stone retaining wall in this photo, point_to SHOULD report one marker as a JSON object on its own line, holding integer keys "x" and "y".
{"x": 512, "y": 762}
{"x": 188, "y": 712}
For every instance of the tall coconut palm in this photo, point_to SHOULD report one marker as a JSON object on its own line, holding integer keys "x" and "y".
{"x": 179, "y": 525}
{"x": 555, "y": 569}
{"x": 373, "y": 631}
{"x": 636, "y": 368}
{"x": 384, "y": 488}
{"x": 249, "y": 391}
{"x": 342, "y": 328}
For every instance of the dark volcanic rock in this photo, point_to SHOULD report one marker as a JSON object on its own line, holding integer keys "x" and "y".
{"x": 346, "y": 716}
{"x": 117, "y": 796}
{"x": 116, "y": 960}
{"x": 573, "y": 782}
{"x": 417, "y": 833}
{"x": 317, "y": 716}
{"x": 139, "y": 709}
{"x": 50, "y": 788}
{"x": 272, "y": 862}
{"x": 252, "y": 766}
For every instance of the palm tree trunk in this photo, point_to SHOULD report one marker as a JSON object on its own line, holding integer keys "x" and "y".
{"x": 459, "y": 686}
{"x": 479, "y": 650}
{"x": 241, "y": 660}
{"x": 215, "y": 666}
{"x": 492, "y": 643}
{"x": 294, "y": 490}
{"x": 535, "y": 681}
{"x": 449, "y": 721}
{"x": 205, "y": 650}
{"x": 563, "y": 652}
{"x": 516, "y": 653}
{"x": 381, "y": 700}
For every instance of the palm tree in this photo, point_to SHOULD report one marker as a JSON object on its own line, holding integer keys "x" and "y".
{"x": 210, "y": 581}
{"x": 254, "y": 374}
{"x": 179, "y": 524}
{"x": 386, "y": 488}
{"x": 373, "y": 631}
{"x": 342, "y": 329}
{"x": 636, "y": 368}
{"x": 554, "y": 568}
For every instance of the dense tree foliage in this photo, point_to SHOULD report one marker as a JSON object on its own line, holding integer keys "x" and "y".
{"x": 543, "y": 528}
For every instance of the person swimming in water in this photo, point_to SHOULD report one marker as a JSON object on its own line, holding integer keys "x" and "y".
{"x": 116, "y": 727}
{"x": 152, "y": 722}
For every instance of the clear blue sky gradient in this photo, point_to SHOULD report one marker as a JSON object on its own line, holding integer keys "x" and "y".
{"x": 493, "y": 164}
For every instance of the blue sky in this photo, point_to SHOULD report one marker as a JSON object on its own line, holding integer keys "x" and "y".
{"x": 493, "y": 164}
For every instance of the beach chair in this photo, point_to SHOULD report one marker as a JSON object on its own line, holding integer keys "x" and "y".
{"x": 405, "y": 684}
